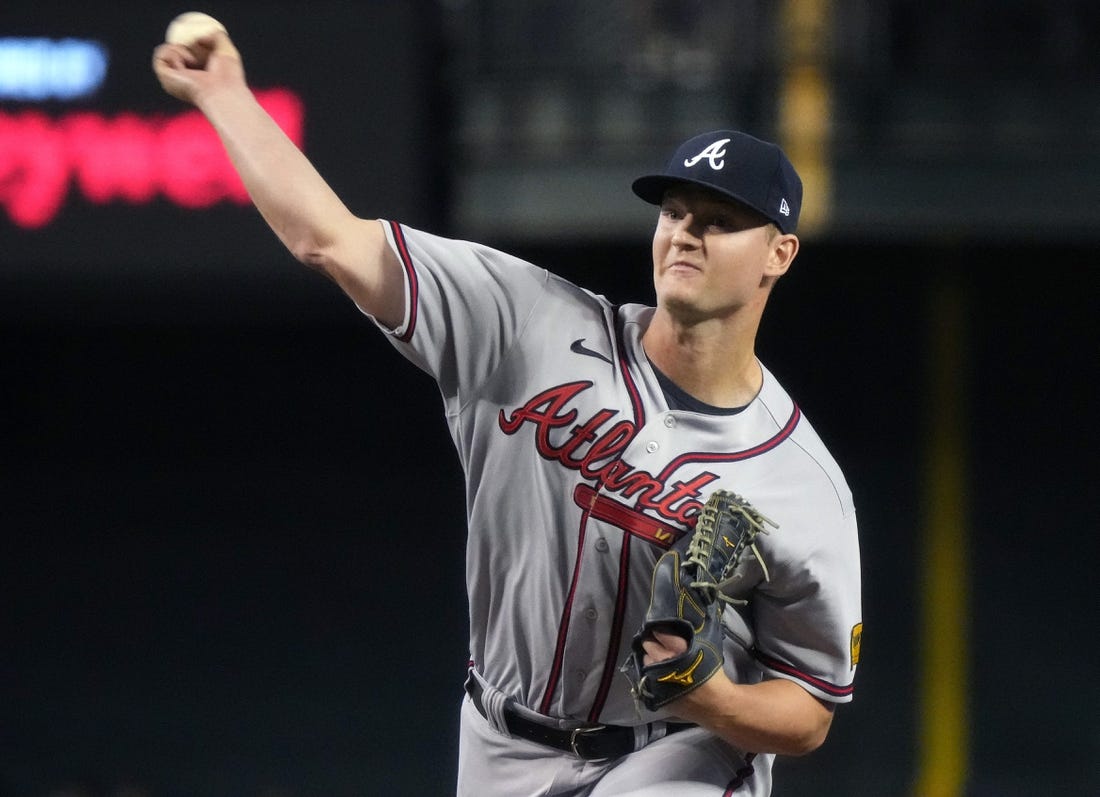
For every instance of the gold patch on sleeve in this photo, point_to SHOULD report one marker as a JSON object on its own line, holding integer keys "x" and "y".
{"x": 857, "y": 638}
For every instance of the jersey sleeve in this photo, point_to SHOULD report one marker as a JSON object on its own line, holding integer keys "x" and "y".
{"x": 808, "y": 617}
{"x": 465, "y": 306}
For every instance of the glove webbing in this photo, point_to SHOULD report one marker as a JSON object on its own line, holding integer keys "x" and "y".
{"x": 736, "y": 535}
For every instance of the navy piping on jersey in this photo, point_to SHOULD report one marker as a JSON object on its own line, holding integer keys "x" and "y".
{"x": 742, "y": 775}
{"x": 611, "y": 659}
{"x": 610, "y": 662}
{"x": 414, "y": 286}
{"x": 563, "y": 623}
{"x": 737, "y": 456}
{"x": 818, "y": 683}
{"x": 611, "y": 666}
{"x": 628, "y": 379}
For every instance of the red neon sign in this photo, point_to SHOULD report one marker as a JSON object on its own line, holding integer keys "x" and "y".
{"x": 127, "y": 158}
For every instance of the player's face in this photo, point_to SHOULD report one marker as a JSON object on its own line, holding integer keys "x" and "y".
{"x": 712, "y": 256}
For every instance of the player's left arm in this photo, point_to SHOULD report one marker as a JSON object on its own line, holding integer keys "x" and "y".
{"x": 773, "y": 716}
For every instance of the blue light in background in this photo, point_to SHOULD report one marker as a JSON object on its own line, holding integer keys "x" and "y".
{"x": 36, "y": 69}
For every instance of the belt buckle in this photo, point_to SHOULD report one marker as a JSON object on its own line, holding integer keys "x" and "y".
{"x": 577, "y": 732}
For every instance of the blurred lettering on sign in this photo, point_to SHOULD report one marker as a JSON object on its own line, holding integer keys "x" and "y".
{"x": 125, "y": 157}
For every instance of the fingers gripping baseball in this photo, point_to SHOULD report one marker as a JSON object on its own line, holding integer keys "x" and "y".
{"x": 196, "y": 58}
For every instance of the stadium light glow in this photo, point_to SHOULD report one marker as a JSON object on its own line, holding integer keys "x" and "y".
{"x": 40, "y": 69}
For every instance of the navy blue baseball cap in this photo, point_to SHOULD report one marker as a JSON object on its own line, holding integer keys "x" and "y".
{"x": 753, "y": 172}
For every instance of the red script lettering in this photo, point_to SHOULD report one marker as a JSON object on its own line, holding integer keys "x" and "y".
{"x": 125, "y": 158}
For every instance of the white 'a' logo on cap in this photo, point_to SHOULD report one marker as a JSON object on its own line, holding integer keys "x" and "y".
{"x": 714, "y": 153}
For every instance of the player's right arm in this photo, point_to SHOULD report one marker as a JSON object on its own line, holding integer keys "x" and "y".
{"x": 299, "y": 206}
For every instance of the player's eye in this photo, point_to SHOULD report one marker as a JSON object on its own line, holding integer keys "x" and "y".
{"x": 723, "y": 223}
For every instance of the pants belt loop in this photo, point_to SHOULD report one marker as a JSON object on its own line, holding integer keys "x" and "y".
{"x": 491, "y": 703}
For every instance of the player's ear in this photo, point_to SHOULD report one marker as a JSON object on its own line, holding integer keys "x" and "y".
{"x": 783, "y": 251}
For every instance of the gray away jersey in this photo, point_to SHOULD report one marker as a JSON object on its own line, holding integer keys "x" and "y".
{"x": 578, "y": 476}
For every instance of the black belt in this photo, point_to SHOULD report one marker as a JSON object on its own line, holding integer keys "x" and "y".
{"x": 592, "y": 743}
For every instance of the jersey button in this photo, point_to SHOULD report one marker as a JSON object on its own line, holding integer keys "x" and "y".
{"x": 652, "y": 446}
{"x": 670, "y": 421}
{"x": 591, "y": 614}
{"x": 601, "y": 544}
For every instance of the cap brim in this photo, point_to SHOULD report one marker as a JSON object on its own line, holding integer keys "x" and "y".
{"x": 652, "y": 187}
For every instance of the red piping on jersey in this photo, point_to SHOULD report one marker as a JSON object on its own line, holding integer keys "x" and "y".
{"x": 589, "y": 507}
{"x": 736, "y": 456}
{"x": 743, "y": 774}
{"x": 414, "y": 287}
{"x": 628, "y": 520}
{"x": 628, "y": 380}
{"x": 783, "y": 667}
{"x": 563, "y": 625}
{"x": 610, "y": 664}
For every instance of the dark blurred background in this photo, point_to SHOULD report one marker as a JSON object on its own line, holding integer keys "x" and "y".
{"x": 233, "y": 517}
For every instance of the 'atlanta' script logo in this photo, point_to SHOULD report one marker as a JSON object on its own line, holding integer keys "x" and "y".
{"x": 593, "y": 448}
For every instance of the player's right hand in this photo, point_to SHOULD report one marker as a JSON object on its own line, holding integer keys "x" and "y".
{"x": 660, "y": 645}
{"x": 209, "y": 63}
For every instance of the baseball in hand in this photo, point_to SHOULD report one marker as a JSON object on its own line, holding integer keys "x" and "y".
{"x": 191, "y": 26}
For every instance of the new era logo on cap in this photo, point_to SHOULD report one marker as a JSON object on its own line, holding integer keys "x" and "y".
{"x": 746, "y": 169}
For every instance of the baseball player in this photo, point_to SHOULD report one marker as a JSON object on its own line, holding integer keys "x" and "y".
{"x": 591, "y": 436}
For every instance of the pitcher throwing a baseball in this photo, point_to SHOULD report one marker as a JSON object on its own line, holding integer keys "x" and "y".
{"x": 662, "y": 563}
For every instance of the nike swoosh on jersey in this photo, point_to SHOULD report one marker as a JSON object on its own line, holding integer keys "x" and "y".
{"x": 578, "y": 347}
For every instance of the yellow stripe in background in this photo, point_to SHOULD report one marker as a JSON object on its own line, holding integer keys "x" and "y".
{"x": 805, "y": 104}
{"x": 805, "y": 127}
{"x": 943, "y": 716}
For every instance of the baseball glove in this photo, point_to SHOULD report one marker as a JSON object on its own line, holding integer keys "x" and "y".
{"x": 687, "y": 598}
